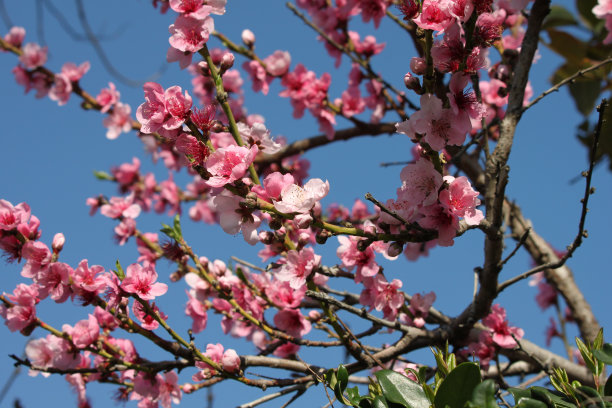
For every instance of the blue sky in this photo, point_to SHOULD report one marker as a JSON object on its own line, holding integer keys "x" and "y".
{"x": 49, "y": 152}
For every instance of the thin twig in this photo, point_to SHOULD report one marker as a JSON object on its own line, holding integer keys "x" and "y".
{"x": 585, "y": 200}
{"x": 566, "y": 81}
{"x": 519, "y": 244}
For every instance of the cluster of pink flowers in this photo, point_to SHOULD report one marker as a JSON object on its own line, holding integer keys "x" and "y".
{"x": 192, "y": 28}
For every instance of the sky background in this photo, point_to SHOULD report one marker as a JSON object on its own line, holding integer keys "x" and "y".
{"x": 48, "y": 154}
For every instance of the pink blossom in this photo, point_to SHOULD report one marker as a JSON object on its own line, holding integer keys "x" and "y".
{"x": 87, "y": 280}
{"x": 301, "y": 199}
{"x": 503, "y": 334}
{"x": 382, "y": 295}
{"x": 108, "y": 97}
{"x": 439, "y": 218}
{"x": 124, "y": 230}
{"x": 106, "y": 320}
{"x": 284, "y": 295}
{"x": 547, "y": 295}
{"x": 196, "y": 310}
{"x": 169, "y": 390}
{"x": 73, "y": 72}
{"x": 191, "y": 8}
{"x": 141, "y": 281}
{"x": 33, "y": 55}
{"x": 163, "y": 109}
{"x": 441, "y": 127}
{"x": 61, "y": 89}
{"x": 419, "y": 308}
{"x": 229, "y": 164}
{"x": 292, "y": 322}
{"x": 55, "y": 282}
{"x": 368, "y": 47}
{"x": 351, "y": 257}
{"x": 248, "y": 37}
{"x": 261, "y": 80}
{"x": 435, "y": 15}
{"x": 15, "y": 36}
{"x": 85, "y": 332}
{"x": 484, "y": 349}
{"x": 146, "y": 319}
{"x": 11, "y": 217}
{"x": 40, "y": 354}
{"x": 420, "y": 183}
{"x": 230, "y": 361}
{"x": 234, "y": 218}
{"x": 373, "y": 10}
{"x": 278, "y": 63}
{"x": 121, "y": 207}
{"x": 461, "y": 200}
{"x": 352, "y": 102}
{"x": 300, "y": 264}
{"x": 258, "y": 134}
{"x": 273, "y": 185}
{"x": 119, "y": 121}
{"x": 38, "y": 258}
{"x": 215, "y": 353}
{"x": 190, "y": 34}
{"x": 286, "y": 350}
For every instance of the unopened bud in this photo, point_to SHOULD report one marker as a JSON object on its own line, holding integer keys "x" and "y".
{"x": 302, "y": 221}
{"x": 227, "y": 61}
{"x": 412, "y": 82}
{"x": 58, "y": 242}
{"x": 248, "y": 38}
{"x": 314, "y": 315}
{"x": 203, "y": 66}
{"x": 363, "y": 244}
{"x": 395, "y": 249}
{"x": 251, "y": 200}
{"x": 303, "y": 239}
{"x": 275, "y": 223}
{"x": 322, "y": 236}
{"x": 418, "y": 65}
{"x": 217, "y": 126}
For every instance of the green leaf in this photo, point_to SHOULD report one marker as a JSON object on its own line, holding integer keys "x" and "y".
{"x": 568, "y": 46}
{"x": 379, "y": 402}
{"x": 102, "y": 175}
{"x": 400, "y": 390}
{"x": 604, "y": 354}
{"x": 353, "y": 396}
{"x": 530, "y": 403}
{"x": 484, "y": 395}
{"x": 519, "y": 393}
{"x": 119, "y": 272}
{"x": 458, "y": 386}
{"x": 559, "y": 16}
{"x": 177, "y": 226}
{"x": 342, "y": 377}
{"x": 586, "y": 355}
{"x": 550, "y": 397}
{"x": 586, "y": 94}
{"x": 169, "y": 231}
{"x": 587, "y": 393}
{"x": 608, "y": 387}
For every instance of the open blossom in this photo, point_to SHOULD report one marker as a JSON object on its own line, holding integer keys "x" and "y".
{"x": 163, "y": 109}
{"x": 11, "y": 216}
{"x": 461, "y": 200}
{"x": 259, "y": 135}
{"x": 229, "y": 164}
{"x": 292, "y": 322}
{"x": 298, "y": 267}
{"x": 121, "y": 207}
{"x": 119, "y": 121}
{"x": 190, "y": 34}
{"x": 85, "y": 332}
{"x": 33, "y": 56}
{"x": 15, "y": 36}
{"x": 382, "y": 295}
{"x": 301, "y": 199}
{"x": 352, "y": 257}
{"x": 141, "y": 281}
{"x": 420, "y": 183}
{"x": 198, "y": 9}
{"x": 503, "y": 334}
{"x": 108, "y": 97}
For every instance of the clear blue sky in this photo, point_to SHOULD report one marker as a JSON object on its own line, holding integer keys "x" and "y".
{"x": 48, "y": 154}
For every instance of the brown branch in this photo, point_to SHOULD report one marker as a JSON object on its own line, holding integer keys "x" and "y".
{"x": 321, "y": 140}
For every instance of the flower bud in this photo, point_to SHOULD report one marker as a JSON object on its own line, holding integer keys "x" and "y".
{"x": 275, "y": 223}
{"x": 227, "y": 61}
{"x": 230, "y": 361}
{"x": 418, "y": 65}
{"x": 322, "y": 236}
{"x": 412, "y": 82}
{"x": 58, "y": 242}
{"x": 314, "y": 315}
{"x": 395, "y": 249}
{"x": 363, "y": 244}
{"x": 302, "y": 221}
{"x": 248, "y": 38}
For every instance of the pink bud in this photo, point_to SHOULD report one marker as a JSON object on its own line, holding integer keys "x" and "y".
{"x": 418, "y": 65}
{"x": 227, "y": 61}
{"x": 230, "y": 361}
{"x": 58, "y": 242}
{"x": 188, "y": 388}
{"x": 303, "y": 221}
{"x": 412, "y": 82}
{"x": 395, "y": 249}
{"x": 248, "y": 38}
{"x": 314, "y": 315}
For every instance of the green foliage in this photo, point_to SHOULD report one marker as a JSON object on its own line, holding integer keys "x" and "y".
{"x": 175, "y": 232}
